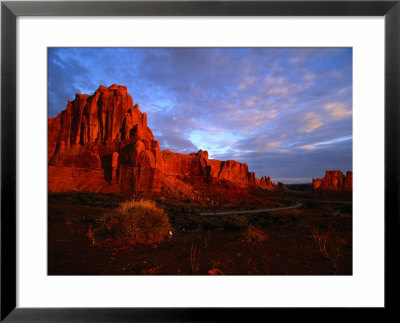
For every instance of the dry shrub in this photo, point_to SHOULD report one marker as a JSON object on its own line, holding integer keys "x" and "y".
{"x": 90, "y": 235}
{"x": 320, "y": 240}
{"x": 194, "y": 259}
{"x": 252, "y": 234}
{"x": 290, "y": 212}
{"x": 137, "y": 222}
{"x": 233, "y": 222}
{"x": 215, "y": 271}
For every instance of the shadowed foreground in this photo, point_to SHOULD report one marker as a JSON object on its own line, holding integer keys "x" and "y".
{"x": 314, "y": 239}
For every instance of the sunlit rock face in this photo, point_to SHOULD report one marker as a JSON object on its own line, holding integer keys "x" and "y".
{"x": 266, "y": 183}
{"x": 105, "y": 131}
{"x": 101, "y": 142}
{"x": 334, "y": 181}
{"x": 197, "y": 167}
{"x": 348, "y": 182}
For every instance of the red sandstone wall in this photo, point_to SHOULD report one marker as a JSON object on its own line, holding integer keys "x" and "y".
{"x": 106, "y": 136}
{"x": 334, "y": 181}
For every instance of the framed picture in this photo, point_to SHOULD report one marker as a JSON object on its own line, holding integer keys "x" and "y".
{"x": 247, "y": 105}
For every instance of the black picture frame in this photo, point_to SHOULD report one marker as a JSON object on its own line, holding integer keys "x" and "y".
{"x": 10, "y": 10}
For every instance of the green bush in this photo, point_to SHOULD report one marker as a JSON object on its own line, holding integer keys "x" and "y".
{"x": 137, "y": 222}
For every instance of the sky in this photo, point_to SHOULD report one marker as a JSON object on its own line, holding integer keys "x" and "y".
{"x": 286, "y": 112}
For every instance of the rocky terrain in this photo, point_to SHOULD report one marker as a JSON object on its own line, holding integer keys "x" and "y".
{"x": 101, "y": 143}
{"x": 101, "y": 154}
{"x": 334, "y": 181}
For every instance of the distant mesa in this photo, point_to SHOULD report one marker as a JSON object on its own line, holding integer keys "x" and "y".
{"x": 102, "y": 143}
{"x": 334, "y": 181}
{"x": 266, "y": 183}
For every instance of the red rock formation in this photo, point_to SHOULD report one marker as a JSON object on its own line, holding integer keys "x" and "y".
{"x": 334, "y": 181}
{"x": 101, "y": 142}
{"x": 193, "y": 165}
{"x": 348, "y": 182}
{"x": 197, "y": 167}
{"x": 266, "y": 183}
{"x": 107, "y": 132}
{"x": 53, "y": 126}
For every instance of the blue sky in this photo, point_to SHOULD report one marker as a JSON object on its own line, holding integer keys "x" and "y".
{"x": 286, "y": 112}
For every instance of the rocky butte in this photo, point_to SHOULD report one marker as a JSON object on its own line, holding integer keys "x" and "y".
{"x": 101, "y": 143}
{"x": 334, "y": 181}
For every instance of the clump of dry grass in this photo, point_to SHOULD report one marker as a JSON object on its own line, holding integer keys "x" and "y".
{"x": 252, "y": 234}
{"x": 207, "y": 239}
{"x": 320, "y": 240}
{"x": 234, "y": 222}
{"x": 194, "y": 259}
{"x": 90, "y": 235}
{"x": 137, "y": 222}
{"x": 215, "y": 271}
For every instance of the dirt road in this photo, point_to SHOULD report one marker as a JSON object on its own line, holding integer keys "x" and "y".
{"x": 298, "y": 204}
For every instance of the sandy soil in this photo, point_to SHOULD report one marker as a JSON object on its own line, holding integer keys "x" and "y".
{"x": 294, "y": 238}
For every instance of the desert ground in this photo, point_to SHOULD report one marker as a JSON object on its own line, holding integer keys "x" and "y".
{"x": 297, "y": 233}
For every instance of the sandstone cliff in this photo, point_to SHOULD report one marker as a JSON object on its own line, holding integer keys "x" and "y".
{"x": 266, "y": 183}
{"x": 101, "y": 142}
{"x": 107, "y": 133}
{"x": 334, "y": 181}
{"x": 198, "y": 167}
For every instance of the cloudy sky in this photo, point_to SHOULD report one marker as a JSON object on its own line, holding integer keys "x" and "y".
{"x": 286, "y": 112}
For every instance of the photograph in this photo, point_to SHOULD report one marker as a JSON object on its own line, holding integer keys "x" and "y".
{"x": 200, "y": 161}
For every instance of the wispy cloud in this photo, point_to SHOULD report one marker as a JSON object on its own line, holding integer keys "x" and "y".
{"x": 246, "y": 83}
{"x": 338, "y": 110}
{"x": 311, "y": 122}
{"x": 238, "y": 103}
{"x": 324, "y": 143}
